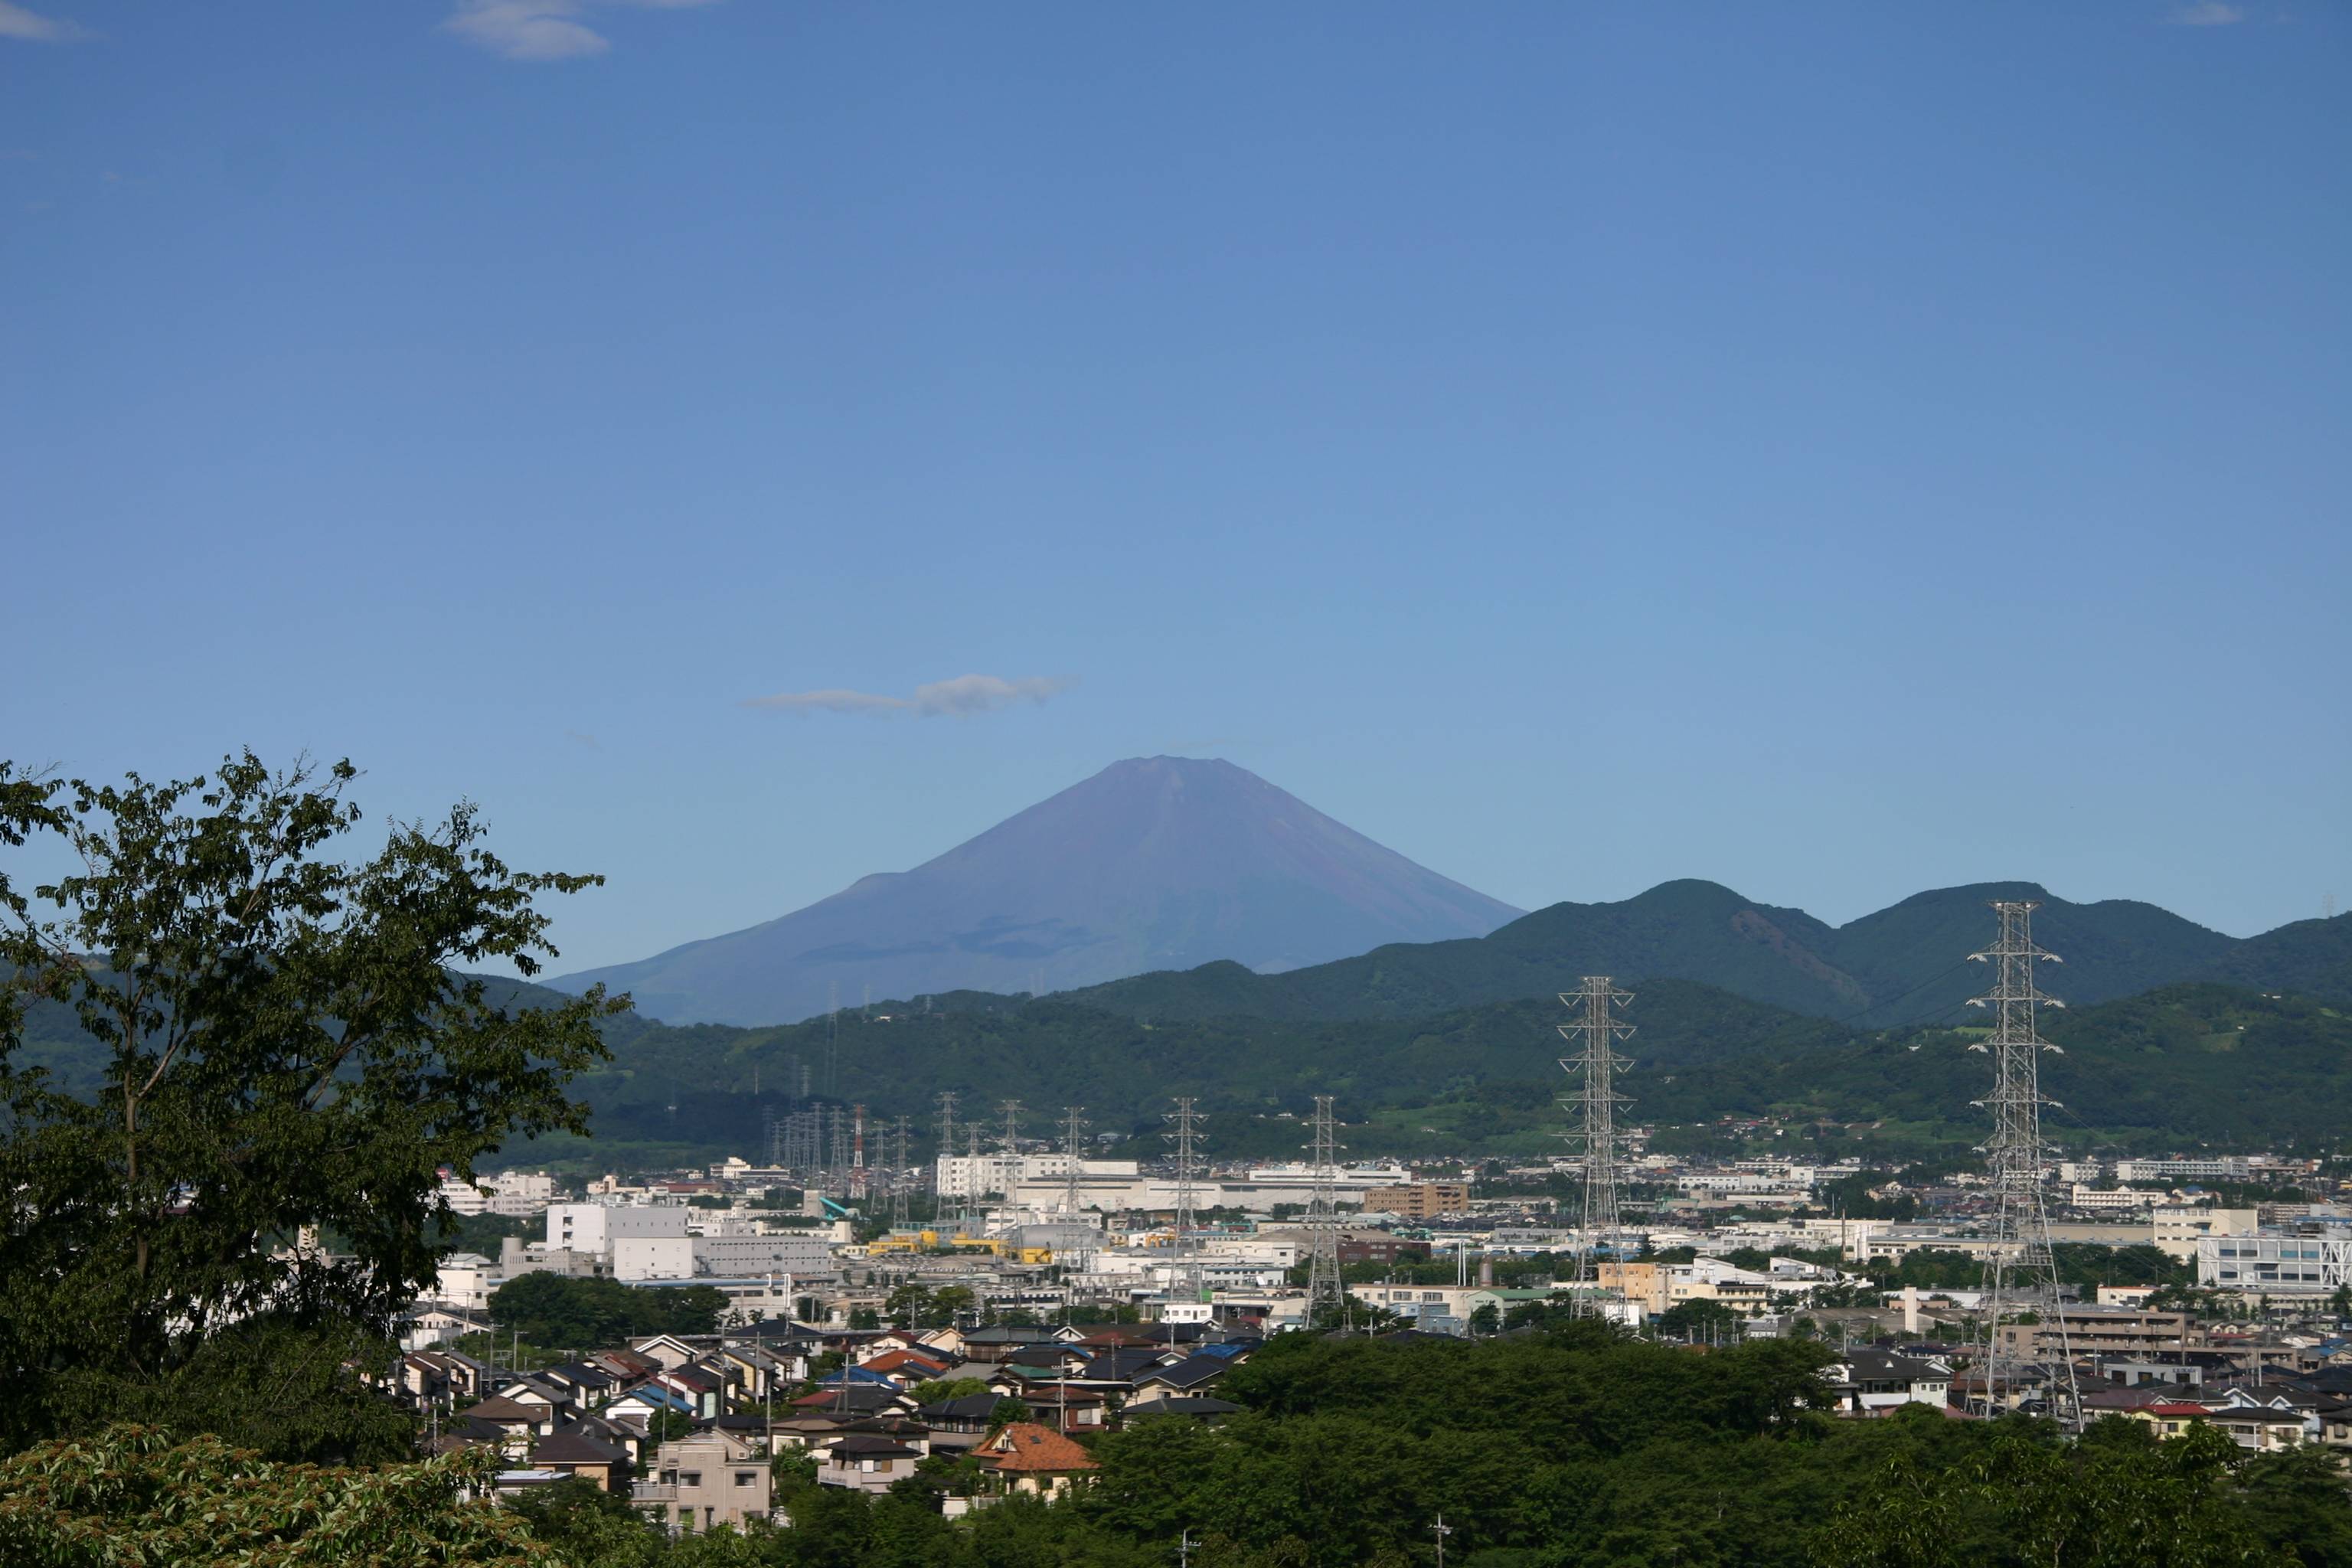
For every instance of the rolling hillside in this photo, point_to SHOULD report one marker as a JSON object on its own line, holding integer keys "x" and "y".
{"x": 1904, "y": 964}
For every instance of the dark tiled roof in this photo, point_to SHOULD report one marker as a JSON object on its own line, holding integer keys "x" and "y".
{"x": 572, "y": 1447}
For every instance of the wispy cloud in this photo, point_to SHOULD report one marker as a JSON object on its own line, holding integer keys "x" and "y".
{"x": 964, "y": 696}
{"x": 16, "y": 22}
{"x": 2207, "y": 14}
{"x": 540, "y": 29}
{"x": 582, "y": 738}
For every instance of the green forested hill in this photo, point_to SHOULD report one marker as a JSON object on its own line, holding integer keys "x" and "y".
{"x": 2200, "y": 1063}
{"x": 2310, "y": 957}
{"x": 2191, "y": 1064}
{"x": 1904, "y": 965}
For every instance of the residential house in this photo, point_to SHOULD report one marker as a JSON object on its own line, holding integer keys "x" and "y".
{"x": 960, "y": 1424}
{"x": 1028, "y": 1458}
{"x": 1865, "y": 1379}
{"x": 704, "y": 1480}
{"x": 1193, "y": 1374}
{"x": 574, "y": 1453}
{"x": 867, "y": 1462}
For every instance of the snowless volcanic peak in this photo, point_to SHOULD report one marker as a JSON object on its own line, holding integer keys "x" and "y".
{"x": 1153, "y": 863}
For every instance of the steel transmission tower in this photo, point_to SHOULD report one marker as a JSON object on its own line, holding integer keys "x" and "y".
{"x": 1012, "y": 1160}
{"x": 1074, "y": 1130}
{"x": 2021, "y": 1275}
{"x": 1187, "y": 1136}
{"x": 947, "y": 1143}
{"x": 1327, "y": 1293}
{"x": 901, "y": 1179}
{"x": 1597, "y": 1029}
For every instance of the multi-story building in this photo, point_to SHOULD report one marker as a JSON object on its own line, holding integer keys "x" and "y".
{"x": 2117, "y": 1200}
{"x": 593, "y": 1228}
{"x": 2178, "y": 1229}
{"x": 2224, "y": 1168}
{"x": 1420, "y": 1200}
{"x": 705, "y": 1480}
{"x": 2275, "y": 1263}
{"x": 2078, "y": 1329}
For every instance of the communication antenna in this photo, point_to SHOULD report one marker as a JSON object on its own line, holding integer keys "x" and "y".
{"x": 1187, "y": 1118}
{"x": 1074, "y": 1126}
{"x": 1598, "y": 1029}
{"x": 2021, "y": 1275}
{"x": 1326, "y": 1295}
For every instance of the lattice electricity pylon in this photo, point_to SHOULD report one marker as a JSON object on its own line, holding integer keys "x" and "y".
{"x": 1594, "y": 1137}
{"x": 1010, "y": 1165}
{"x": 1074, "y": 1132}
{"x": 1326, "y": 1292}
{"x": 902, "y": 1178}
{"x": 1186, "y": 1138}
{"x": 2021, "y": 1275}
{"x": 947, "y": 1134}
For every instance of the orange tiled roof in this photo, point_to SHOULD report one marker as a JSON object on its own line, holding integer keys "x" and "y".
{"x": 1026, "y": 1448}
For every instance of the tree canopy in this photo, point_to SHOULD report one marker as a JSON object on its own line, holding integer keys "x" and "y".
{"x": 288, "y": 1046}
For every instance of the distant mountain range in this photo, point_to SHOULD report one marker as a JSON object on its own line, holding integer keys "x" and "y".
{"x": 1903, "y": 965}
{"x": 1154, "y": 863}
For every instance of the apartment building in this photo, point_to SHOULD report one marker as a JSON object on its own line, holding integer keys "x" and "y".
{"x": 1420, "y": 1200}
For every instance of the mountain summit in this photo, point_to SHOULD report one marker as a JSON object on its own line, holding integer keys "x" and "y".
{"x": 1153, "y": 863}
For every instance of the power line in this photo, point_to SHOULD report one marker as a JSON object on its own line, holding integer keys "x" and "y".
{"x": 1596, "y": 1064}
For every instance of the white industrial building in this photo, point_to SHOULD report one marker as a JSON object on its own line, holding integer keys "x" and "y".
{"x": 1041, "y": 1181}
{"x": 2276, "y": 1264}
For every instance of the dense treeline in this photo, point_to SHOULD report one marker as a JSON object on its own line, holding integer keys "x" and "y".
{"x": 558, "y": 1312}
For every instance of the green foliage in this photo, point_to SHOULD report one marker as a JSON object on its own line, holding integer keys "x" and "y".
{"x": 2117, "y": 1499}
{"x": 939, "y": 1389}
{"x": 1698, "y": 1321}
{"x": 281, "y": 1042}
{"x": 128, "y": 1495}
{"x": 581, "y": 1314}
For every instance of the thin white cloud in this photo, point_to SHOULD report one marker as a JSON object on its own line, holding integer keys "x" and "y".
{"x": 16, "y": 22}
{"x": 538, "y": 30}
{"x": 2207, "y": 14}
{"x": 959, "y": 698}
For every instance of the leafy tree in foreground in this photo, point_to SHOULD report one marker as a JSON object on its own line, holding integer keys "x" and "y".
{"x": 129, "y": 1495}
{"x": 286, "y": 1046}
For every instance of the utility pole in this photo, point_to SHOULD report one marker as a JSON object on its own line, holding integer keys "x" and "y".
{"x": 1184, "y": 1548}
{"x": 1597, "y": 1028}
{"x": 2022, "y": 1274}
{"x": 1073, "y": 1129}
{"x": 1440, "y": 1529}
{"x": 1326, "y": 1294}
{"x": 1187, "y": 1120}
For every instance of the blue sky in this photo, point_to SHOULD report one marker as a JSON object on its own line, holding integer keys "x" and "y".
{"x": 1834, "y": 450}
